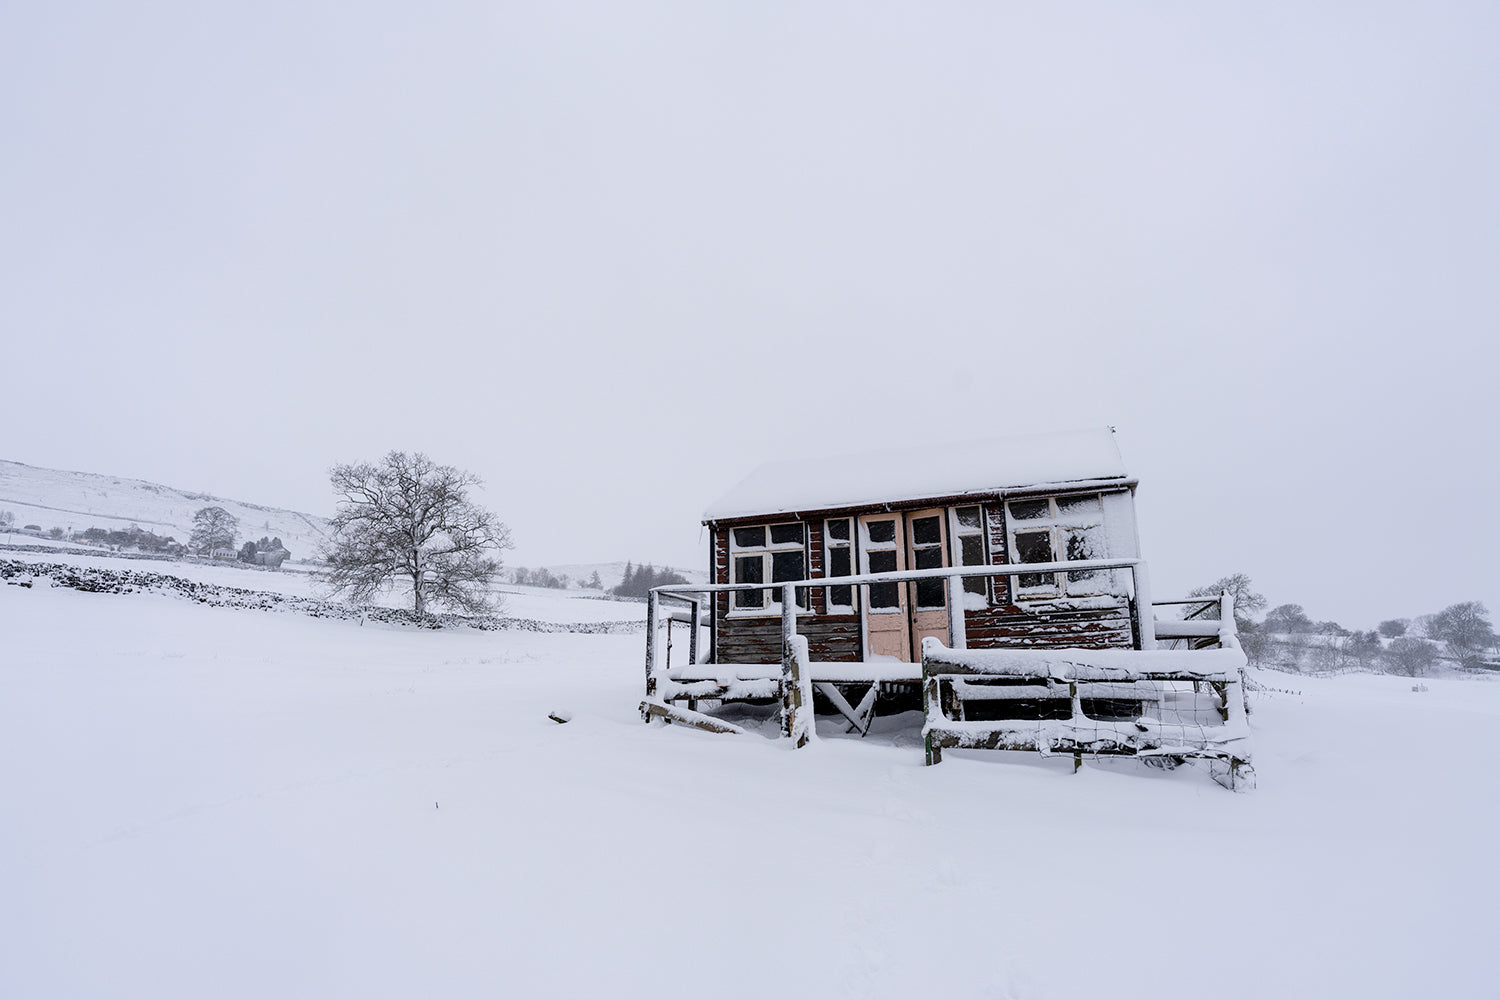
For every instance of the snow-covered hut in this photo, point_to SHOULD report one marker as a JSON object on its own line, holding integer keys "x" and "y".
{"x": 1044, "y": 498}
{"x": 996, "y": 585}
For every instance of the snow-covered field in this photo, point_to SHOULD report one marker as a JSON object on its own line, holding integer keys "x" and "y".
{"x": 211, "y": 802}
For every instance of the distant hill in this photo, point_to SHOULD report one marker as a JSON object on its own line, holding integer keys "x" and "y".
{"x": 610, "y": 574}
{"x": 53, "y": 497}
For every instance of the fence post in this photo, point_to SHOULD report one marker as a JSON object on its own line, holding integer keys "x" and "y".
{"x": 794, "y": 724}
{"x": 957, "y": 635}
{"x": 1227, "y": 625}
{"x": 693, "y": 638}
{"x": 1145, "y": 614}
{"x": 652, "y": 603}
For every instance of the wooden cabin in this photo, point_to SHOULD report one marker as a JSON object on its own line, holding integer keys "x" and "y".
{"x": 1049, "y": 498}
{"x": 997, "y": 586}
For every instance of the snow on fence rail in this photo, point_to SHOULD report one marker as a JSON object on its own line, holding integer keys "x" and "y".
{"x": 1170, "y": 705}
{"x": 1125, "y": 686}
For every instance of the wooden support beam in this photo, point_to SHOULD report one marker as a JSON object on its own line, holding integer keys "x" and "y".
{"x": 652, "y": 709}
{"x": 796, "y": 703}
{"x": 957, "y": 638}
{"x": 653, "y": 604}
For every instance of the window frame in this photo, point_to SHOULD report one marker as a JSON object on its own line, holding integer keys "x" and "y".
{"x": 829, "y": 544}
{"x": 1058, "y": 525}
{"x": 771, "y": 604}
{"x": 956, "y": 534}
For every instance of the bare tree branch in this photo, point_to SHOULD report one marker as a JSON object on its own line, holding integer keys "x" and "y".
{"x": 411, "y": 519}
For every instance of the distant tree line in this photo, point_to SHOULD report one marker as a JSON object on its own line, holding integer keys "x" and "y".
{"x": 544, "y": 577}
{"x": 638, "y": 581}
{"x": 541, "y": 577}
{"x": 133, "y": 537}
{"x": 1288, "y": 638}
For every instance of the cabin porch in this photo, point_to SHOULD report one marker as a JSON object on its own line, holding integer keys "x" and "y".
{"x": 1034, "y": 696}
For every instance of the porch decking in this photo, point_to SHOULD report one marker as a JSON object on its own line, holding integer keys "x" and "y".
{"x": 1140, "y": 688}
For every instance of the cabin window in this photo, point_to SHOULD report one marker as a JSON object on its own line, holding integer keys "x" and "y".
{"x": 773, "y": 554}
{"x": 883, "y": 595}
{"x": 967, "y": 531}
{"x": 927, "y": 553}
{"x": 1058, "y": 529}
{"x": 839, "y": 560}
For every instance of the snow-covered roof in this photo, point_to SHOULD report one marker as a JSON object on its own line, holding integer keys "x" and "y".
{"x": 929, "y": 471}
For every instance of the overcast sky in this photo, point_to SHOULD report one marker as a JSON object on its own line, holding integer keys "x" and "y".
{"x": 611, "y": 257}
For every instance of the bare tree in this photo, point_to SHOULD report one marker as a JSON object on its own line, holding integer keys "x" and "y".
{"x": 7, "y": 520}
{"x": 1465, "y": 629}
{"x": 213, "y": 528}
{"x": 410, "y": 519}
{"x": 1409, "y": 656}
{"x": 1246, "y": 604}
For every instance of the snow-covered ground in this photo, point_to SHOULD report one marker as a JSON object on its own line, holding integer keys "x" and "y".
{"x": 205, "y": 801}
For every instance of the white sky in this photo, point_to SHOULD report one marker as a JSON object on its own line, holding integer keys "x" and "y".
{"x": 611, "y": 257}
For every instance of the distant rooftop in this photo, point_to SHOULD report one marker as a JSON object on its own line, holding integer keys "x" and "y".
{"x": 939, "y": 470}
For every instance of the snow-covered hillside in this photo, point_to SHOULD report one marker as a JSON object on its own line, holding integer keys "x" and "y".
{"x": 211, "y": 801}
{"x": 53, "y": 497}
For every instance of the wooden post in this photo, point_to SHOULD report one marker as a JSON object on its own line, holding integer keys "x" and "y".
{"x": 793, "y": 723}
{"x": 1227, "y": 625}
{"x": 934, "y": 753}
{"x": 1144, "y": 613}
{"x": 652, "y": 605}
{"x": 693, "y": 638}
{"x": 957, "y": 634}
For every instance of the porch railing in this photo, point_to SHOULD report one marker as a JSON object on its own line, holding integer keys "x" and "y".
{"x": 954, "y": 576}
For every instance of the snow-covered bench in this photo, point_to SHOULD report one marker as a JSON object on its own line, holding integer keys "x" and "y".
{"x": 1096, "y": 702}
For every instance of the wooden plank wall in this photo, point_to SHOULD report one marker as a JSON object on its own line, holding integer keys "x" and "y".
{"x": 1050, "y": 624}
{"x": 830, "y": 638}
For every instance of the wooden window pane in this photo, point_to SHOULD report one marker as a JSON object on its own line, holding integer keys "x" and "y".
{"x": 971, "y": 550}
{"x": 1082, "y": 544}
{"x": 750, "y": 538}
{"x": 927, "y": 531}
{"x": 839, "y": 530}
{"x": 882, "y": 531}
{"x": 1077, "y": 505}
{"x": 884, "y": 595}
{"x": 786, "y": 534}
{"x": 839, "y": 563}
{"x": 749, "y": 569}
{"x": 928, "y": 558}
{"x": 1028, "y": 510}
{"x": 930, "y": 593}
{"x": 968, "y": 517}
{"x": 786, "y": 566}
{"x": 1034, "y": 547}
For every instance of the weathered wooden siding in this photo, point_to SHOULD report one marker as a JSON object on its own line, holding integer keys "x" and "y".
{"x": 819, "y": 596}
{"x": 830, "y": 638}
{"x": 1051, "y": 624}
{"x": 994, "y": 520}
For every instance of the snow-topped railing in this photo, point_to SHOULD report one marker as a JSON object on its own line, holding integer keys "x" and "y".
{"x": 1195, "y": 625}
{"x": 660, "y": 687}
{"x": 952, "y": 677}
